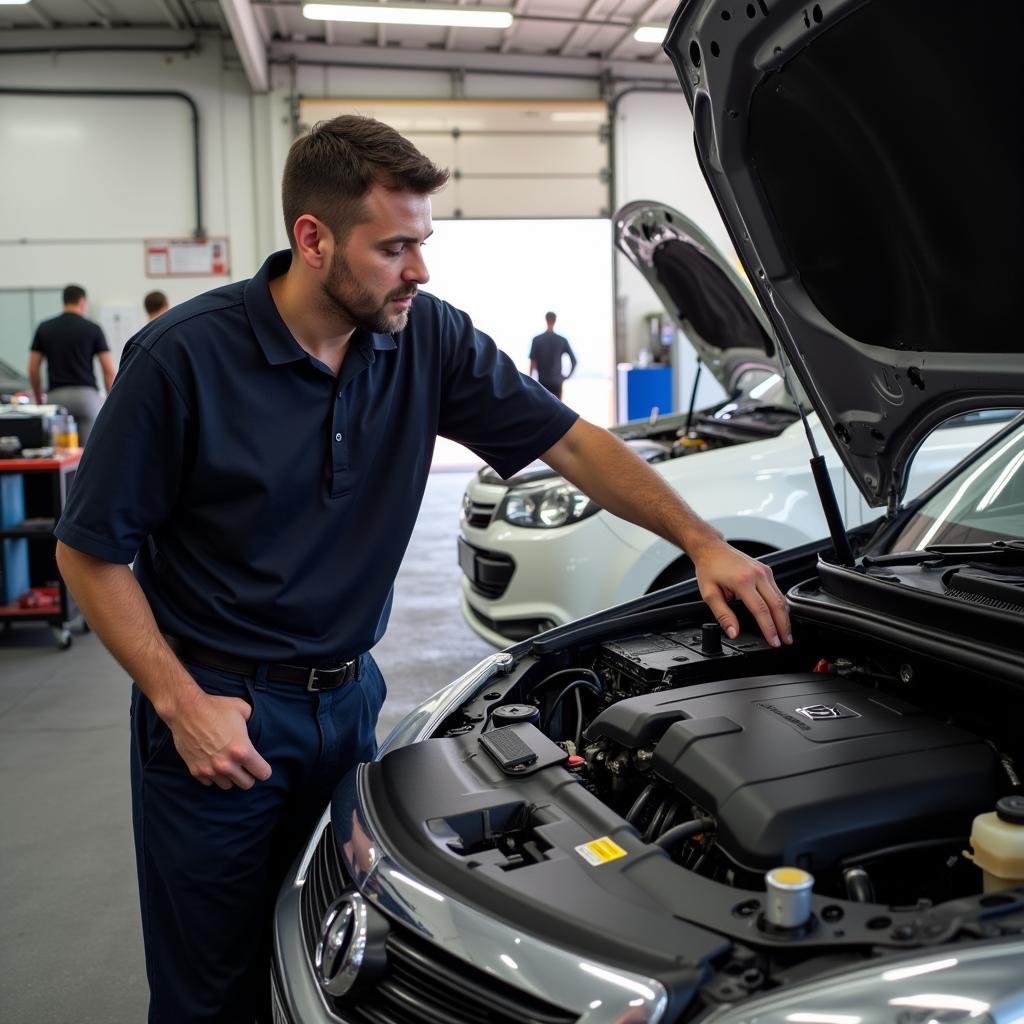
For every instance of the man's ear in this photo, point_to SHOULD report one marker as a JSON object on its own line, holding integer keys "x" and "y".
{"x": 314, "y": 241}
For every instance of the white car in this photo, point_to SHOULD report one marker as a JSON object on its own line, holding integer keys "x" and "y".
{"x": 537, "y": 553}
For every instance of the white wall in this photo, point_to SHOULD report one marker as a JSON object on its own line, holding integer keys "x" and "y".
{"x": 123, "y": 171}
{"x": 86, "y": 180}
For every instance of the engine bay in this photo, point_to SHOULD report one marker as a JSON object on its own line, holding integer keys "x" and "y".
{"x": 704, "y": 765}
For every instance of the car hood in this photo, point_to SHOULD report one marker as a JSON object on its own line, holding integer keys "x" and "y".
{"x": 866, "y": 160}
{"x": 709, "y": 300}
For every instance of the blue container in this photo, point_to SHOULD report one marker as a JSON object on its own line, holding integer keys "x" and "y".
{"x": 15, "y": 568}
{"x": 12, "y": 500}
{"x": 644, "y": 389}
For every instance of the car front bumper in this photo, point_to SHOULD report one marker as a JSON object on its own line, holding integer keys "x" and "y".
{"x": 559, "y": 575}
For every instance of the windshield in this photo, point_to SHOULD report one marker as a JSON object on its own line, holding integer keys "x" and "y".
{"x": 982, "y": 503}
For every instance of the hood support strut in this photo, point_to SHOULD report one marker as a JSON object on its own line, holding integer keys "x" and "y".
{"x": 822, "y": 480}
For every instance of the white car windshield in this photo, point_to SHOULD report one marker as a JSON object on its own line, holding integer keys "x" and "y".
{"x": 984, "y": 502}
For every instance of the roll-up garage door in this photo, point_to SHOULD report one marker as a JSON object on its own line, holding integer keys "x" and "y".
{"x": 508, "y": 158}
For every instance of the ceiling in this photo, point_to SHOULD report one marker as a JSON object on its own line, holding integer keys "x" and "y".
{"x": 588, "y": 37}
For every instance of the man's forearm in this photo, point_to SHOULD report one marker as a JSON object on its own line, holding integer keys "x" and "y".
{"x": 620, "y": 481}
{"x": 36, "y": 381}
{"x": 120, "y": 615}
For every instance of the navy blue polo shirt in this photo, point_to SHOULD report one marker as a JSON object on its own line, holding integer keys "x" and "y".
{"x": 267, "y": 503}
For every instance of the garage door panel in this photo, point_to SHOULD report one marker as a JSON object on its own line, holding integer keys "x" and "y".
{"x": 509, "y": 154}
{"x": 509, "y": 158}
{"x": 519, "y": 197}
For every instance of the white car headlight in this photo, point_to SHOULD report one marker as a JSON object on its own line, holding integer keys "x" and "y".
{"x": 546, "y": 505}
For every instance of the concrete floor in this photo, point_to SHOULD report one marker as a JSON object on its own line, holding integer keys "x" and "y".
{"x": 70, "y": 944}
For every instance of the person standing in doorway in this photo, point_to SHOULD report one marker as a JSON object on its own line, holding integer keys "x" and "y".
{"x": 155, "y": 303}
{"x": 546, "y": 353}
{"x": 69, "y": 343}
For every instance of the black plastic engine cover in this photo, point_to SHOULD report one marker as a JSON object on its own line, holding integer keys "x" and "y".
{"x": 805, "y": 769}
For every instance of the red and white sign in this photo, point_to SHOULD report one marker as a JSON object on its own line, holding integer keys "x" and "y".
{"x": 187, "y": 257}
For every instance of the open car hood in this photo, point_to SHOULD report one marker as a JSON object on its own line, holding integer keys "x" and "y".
{"x": 708, "y": 299}
{"x": 866, "y": 158}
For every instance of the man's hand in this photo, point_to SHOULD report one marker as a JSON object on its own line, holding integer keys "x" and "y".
{"x": 723, "y": 573}
{"x": 604, "y": 468}
{"x": 211, "y": 737}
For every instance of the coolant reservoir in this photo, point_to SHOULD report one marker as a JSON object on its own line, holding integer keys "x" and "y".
{"x": 998, "y": 842}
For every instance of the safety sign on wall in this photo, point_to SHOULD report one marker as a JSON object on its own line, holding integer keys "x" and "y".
{"x": 187, "y": 257}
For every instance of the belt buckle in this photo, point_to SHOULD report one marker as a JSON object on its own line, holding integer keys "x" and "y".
{"x": 315, "y": 674}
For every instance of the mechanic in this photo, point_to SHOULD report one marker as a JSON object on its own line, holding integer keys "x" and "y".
{"x": 69, "y": 343}
{"x": 262, "y": 458}
{"x": 546, "y": 351}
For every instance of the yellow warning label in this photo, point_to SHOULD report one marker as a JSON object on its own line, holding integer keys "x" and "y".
{"x": 600, "y": 851}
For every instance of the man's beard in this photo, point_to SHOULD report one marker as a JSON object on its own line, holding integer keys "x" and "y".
{"x": 346, "y": 297}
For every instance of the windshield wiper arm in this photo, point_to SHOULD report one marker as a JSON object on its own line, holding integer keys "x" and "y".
{"x": 1010, "y": 550}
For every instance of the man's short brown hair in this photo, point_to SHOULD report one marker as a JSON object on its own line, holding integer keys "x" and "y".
{"x": 154, "y": 302}
{"x": 329, "y": 171}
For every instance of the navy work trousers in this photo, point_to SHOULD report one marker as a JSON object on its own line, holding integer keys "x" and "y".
{"x": 210, "y": 861}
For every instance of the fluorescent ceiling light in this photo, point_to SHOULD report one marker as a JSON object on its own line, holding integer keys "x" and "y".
{"x": 650, "y": 33}
{"x": 389, "y": 14}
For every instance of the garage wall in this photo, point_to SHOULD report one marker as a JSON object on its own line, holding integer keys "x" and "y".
{"x": 87, "y": 179}
{"x": 122, "y": 171}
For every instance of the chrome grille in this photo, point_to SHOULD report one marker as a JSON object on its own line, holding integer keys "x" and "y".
{"x": 325, "y": 882}
{"x": 424, "y": 984}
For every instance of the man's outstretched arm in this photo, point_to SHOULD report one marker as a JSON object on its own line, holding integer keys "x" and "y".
{"x": 620, "y": 481}
{"x": 209, "y": 731}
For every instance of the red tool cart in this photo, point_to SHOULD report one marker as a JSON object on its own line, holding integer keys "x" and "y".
{"x": 32, "y": 497}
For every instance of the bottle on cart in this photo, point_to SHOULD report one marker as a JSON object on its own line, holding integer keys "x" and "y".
{"x": 57, "y": 429}
{"x": 71, "y": 433}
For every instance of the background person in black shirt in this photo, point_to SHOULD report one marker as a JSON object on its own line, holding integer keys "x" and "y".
{"x": 546, "y": 353}
{"x": 68, "y": 343}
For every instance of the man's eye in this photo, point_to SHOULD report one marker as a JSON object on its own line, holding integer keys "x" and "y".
{"x": 393, "y": 252}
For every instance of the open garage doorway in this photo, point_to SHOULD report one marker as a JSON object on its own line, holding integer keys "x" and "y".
{"x": 506, "y": 274}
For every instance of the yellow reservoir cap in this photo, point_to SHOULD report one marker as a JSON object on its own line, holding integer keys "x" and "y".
{"x": 790, "y": 895}
{"x": 791, "y": 876}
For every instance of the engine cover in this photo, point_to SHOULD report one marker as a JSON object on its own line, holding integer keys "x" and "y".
{"x": 805, "y": 769}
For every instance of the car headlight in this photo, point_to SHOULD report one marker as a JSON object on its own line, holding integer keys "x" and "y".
{"x": 546, "y": 505}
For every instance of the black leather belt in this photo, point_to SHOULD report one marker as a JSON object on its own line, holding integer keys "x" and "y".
{"x": 314, "y": 680}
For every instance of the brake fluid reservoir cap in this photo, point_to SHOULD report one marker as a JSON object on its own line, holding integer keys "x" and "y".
{"x": 1011, "y": 810}
{"x": 790, "y": 892}
{"x": 512, "y": 714}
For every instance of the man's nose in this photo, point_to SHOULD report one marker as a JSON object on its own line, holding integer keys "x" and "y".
{"x": 415, "y": 270}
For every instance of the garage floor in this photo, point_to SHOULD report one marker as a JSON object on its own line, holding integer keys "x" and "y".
{"x": 71, "y": 945}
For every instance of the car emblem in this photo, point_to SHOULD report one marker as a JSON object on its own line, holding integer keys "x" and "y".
{"x": 342, "y": 945}
{"x": 824, "y": 712}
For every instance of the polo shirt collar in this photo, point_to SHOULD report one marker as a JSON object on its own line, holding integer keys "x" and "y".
{"x": 278, "y": 344}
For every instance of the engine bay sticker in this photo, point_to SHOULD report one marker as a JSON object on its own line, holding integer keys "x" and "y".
{"x": 600, "y": 851}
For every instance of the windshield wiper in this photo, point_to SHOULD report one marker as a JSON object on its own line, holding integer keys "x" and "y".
{"x": 1004, "y": 550}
